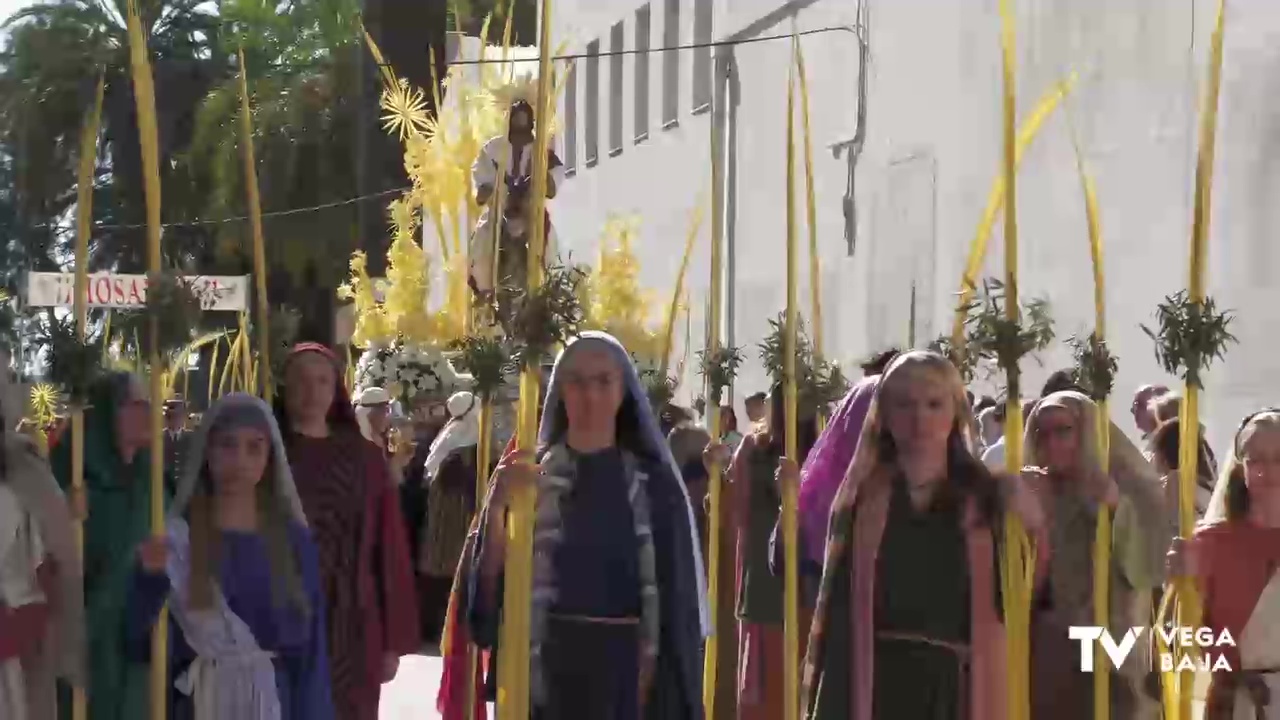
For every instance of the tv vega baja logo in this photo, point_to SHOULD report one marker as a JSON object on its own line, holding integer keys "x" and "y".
{"x": 1205, "y": 645}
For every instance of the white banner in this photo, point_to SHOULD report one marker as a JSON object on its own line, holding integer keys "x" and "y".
{"x": 109, "y": 290}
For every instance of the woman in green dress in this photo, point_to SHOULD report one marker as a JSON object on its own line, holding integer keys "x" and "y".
{"x": 118, "y": 497}
{"x": 909, "y": 620}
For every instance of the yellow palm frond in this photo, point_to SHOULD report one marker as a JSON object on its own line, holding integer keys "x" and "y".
{"x": 44, "y": 402}
{"x": 405, "y": 110}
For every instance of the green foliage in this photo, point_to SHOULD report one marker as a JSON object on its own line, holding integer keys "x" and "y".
{"x": 174, "y": 308}
{"x": 993, "y": 336}
{"x": 1189, "y": 336}
{"x": 719, "y": 368}
{"x": 829, "y": 384}
{"x": 1096, "y": 367}
{"x": 660, "y": 389}
{"x": 818, "y": 382}
{"x": 304, "y": 64}
{"x": 74, "y": 363}
{"x": 547, "y": 317}
{"x": 55, "y": 51}
{"x": 486, "y": 359}
{"x": 966, "y": 362}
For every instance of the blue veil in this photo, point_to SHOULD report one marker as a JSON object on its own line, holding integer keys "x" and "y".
{"x": 654, "y": 444}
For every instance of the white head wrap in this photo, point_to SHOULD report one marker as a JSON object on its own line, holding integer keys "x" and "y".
{"x": 462, "y": 430}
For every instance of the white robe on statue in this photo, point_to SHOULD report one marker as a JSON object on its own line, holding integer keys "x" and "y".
{"x": 497, "y": 154}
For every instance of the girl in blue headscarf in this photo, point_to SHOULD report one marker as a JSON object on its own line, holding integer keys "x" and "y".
{"x": 618, "y": 614}
{"x": 238, "y": 569}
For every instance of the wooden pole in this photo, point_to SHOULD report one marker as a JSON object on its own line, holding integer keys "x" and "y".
{"x": 791, "y": 590}
{"x": 710, "y": 658}
{"x": 1102, "y": 534}
{"x": 484, "y": 451}
{"x": 1189, "y": 610}
{"x": 84, "y": 227}
{"x": 148, "y": 134}
{"x": 995, "y": 201}
{"x": 811, "y": 220}
{"x": 1017, "y": 552}
{"x": 513, "y": 690}
{"x": 259, "y": 243}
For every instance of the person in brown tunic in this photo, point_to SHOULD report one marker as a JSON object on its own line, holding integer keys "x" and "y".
{"x": 354, "y": 513}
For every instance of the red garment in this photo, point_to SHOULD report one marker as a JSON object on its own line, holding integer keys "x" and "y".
{"x": 1237, "y": 559}
{"x": 353, "y": 510}
{"x": 22, "y": 629}
{"x": 451, "y": 700}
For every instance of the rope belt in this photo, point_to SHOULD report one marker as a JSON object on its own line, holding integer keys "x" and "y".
{"x": 589, "y": 620}
{"x": 1223, "y": 693}
{"x": 959, "y": 651}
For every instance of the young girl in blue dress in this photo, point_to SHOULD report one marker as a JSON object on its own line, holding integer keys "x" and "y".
{"x": 239, "y": 571}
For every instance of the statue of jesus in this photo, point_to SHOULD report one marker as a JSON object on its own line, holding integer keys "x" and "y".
{"x": 491, "y": 280}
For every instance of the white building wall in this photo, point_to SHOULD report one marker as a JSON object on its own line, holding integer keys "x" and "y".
{"x": 932, "y": 152}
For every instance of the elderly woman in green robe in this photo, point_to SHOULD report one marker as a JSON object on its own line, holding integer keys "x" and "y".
{"x": 118, "y": 497}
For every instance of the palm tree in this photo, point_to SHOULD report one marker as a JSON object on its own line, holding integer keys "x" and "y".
{"x": 302, "y": 60}
{"x": 54, "y": 52}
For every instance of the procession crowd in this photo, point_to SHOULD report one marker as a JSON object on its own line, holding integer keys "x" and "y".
{"x": 312, "y": 544}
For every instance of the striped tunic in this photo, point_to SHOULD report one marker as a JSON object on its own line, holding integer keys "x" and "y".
{"x": 365, "y": 573}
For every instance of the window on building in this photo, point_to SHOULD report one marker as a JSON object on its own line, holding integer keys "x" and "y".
{"x": 591, "y": 101}
{"x": 616, "y": 48}
{"x": 642, "y": 73}
{"x": 570, "y": 120}
{"x": 702, "y": 16}
{"x": 671, "y": 65}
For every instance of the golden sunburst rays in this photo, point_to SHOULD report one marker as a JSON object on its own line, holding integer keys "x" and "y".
{"x": 405, "y": 110}
{"x": 44, "y": 401}
{"x": 405, "y": 107}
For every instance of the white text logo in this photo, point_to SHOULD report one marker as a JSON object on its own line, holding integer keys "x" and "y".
{"x": 1187, "y": 648}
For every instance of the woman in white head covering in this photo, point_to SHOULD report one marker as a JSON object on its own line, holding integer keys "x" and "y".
{"x": 1066, "y": 472}
{"x": 462, "y": 430}
{"x": 239, "y": 572}
{"x": 1233, "y": 559}
{"x": 40, "y": 640}
{"x": 373, "y": 412}
{"x": 450, "y": 475}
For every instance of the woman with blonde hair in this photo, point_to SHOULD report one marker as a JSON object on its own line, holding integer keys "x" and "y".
{"x": 1066, "y": 473}
{"x": 1233, "y": 560}
{"x": 909, "y": 620}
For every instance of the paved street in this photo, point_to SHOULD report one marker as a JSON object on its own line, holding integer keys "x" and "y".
{"x": 412, "y": 695}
